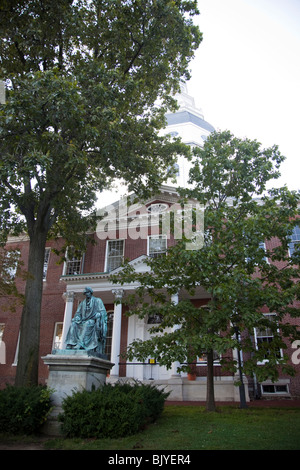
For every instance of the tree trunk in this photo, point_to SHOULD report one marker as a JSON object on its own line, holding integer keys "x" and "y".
{"x": 210, "y": 392}
{"x": 28, "y": 357}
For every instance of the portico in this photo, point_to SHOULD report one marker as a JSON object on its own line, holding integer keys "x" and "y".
{"x": 112, "y": 294}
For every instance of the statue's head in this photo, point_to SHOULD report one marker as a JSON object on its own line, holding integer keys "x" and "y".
{"x": 88, "y": 291}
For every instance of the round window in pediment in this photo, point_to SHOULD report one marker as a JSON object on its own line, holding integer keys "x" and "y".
{"x": 157, "y": 208}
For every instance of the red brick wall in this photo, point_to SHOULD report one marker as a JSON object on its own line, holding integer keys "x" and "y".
{"x": 52, "y": 311}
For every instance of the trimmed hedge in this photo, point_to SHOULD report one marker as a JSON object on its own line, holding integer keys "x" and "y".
{"x": 23, "y": 410}
{"x": 111, "y": 411}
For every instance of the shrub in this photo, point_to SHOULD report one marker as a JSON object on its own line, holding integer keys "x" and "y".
{"x": 152, "y": 400}
{"x": 111, "y": 411}
{"x": 24, "y": 409}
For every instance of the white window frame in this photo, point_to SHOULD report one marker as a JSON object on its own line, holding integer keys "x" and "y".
{"x": 12, "y": 270}
{"x": 276, "y": 392}
{"x": 2, "y": 345}
{"x": 107, "y": 252}
{"x": 202, "y": 360}
{"x": 57, "y": 338}
{"x": 263, "y": 246}
{"x": 15, "y": 363}
{"x": 80, "y": 260}
{"x": 2, "y": 328}
{"x": 46, "y": 262}
{"x": 294, "y": 241}
{"x": 256, "y": 336}
{"x": 152, "y": 237}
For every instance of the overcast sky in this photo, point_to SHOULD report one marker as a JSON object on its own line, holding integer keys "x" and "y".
{"x": 246, "y": 73}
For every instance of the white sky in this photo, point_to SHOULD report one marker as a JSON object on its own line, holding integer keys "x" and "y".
{"x": 246, "y": 74}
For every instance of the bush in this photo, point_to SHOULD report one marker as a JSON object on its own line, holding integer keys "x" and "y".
{"x": 24, "y": 409}
{"x": 152, "y": 400}
{"x": 111, "y": 411}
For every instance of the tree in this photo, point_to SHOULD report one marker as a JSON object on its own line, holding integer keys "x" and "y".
{"x": 241, "y": 278}
{"x": 10, "y": 269}
{"x": 83, "y": 82}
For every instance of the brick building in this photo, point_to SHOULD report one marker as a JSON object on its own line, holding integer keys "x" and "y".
{"x": 64, "y": 283}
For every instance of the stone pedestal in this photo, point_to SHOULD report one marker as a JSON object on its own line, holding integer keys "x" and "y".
{"x": 72, "y": 370}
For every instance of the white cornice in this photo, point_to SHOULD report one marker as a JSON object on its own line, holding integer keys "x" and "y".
{"x": 83, "y": 277}
{"x": 97, "y": 276}
{"x": 23, "y": 237}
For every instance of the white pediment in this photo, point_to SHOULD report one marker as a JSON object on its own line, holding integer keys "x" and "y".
{"x": 139, "y": 264}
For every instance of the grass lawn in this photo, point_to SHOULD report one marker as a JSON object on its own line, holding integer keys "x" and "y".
{"x": 192, "y": 428}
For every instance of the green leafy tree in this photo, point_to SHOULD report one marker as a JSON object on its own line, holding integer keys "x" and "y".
{"x": 240, "y": 277}
{"x": 84, "y": 79}
{"x": 10, "y": 270}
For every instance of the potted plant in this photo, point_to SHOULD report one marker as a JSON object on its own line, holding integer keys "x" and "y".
{"x": 192, "y": 371}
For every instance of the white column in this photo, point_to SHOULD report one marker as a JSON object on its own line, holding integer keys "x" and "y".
{"x": 116, "y": 333}
{"x": 140, "y": 327}
{"x": 174, "y": 299}
{"x": 69, "y": 299}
